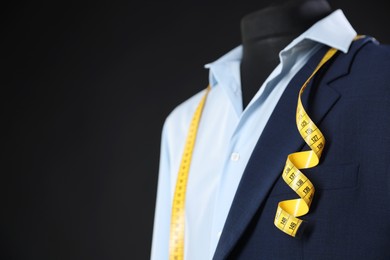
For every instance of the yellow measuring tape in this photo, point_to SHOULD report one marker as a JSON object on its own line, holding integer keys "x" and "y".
{"x": 176, "y": 239}
{"x": 288, "y": 210}
{"x": 286, "y": 218}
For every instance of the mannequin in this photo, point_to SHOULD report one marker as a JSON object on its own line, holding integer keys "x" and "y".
{"x": 236, "y": 181}
{"x": 267, "y": 31}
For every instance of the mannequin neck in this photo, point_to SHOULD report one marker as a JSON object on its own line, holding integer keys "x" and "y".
{"x": 267, "y": 31}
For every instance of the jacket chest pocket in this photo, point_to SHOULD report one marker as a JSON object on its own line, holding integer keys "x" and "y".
{"x": 324, "y": 177}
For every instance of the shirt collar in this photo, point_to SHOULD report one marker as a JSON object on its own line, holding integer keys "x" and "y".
{"x": 334, "y": 30}
{"x": 227, "y": 64}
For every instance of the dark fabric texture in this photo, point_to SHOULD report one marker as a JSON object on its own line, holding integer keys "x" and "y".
{"x": 349, "y": 218}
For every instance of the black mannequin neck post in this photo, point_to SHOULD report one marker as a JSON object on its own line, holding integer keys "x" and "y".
{"x": 266, "y": 32}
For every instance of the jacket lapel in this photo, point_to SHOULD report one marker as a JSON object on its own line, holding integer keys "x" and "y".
{"x": 279, "y": 138}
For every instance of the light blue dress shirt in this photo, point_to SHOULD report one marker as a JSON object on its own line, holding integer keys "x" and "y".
{"x": 226, "y": 138}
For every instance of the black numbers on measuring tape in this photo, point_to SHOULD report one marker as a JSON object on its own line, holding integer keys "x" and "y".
{"x": 306, "y": 190}
{"x": 299, "y": 182}
{"x": 309, "y": 131}
{"x": 315, "y": 138}
{"x": 293, "y": 225}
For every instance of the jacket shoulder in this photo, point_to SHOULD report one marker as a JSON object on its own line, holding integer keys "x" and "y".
{"x": 374, "y": 50}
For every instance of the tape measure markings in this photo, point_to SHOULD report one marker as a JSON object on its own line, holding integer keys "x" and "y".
{"x": 177, "y": 227}
{"x": 288, "y": 211}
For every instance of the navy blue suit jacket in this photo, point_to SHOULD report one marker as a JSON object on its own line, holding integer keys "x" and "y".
{"x": 350, "y": 215}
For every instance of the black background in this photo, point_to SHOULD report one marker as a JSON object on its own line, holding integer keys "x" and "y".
{"x": 85, "y": 89}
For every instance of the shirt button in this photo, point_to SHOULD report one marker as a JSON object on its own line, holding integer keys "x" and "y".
{"x": 235, "y": 157}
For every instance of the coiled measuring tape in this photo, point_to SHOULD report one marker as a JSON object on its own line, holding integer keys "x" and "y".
{"x": 176, "y": 239}
{"x": 288, "y": 211}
